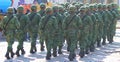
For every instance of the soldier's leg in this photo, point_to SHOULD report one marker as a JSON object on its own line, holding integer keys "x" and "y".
{"x": 48, "y": 47}
{"x": 60, "y": 45}
{"x": 10, "y": 41}
{"x": 104, "y": 36}
{"x": 41, "y": 43}
{"x": 68, "y": 43}
{"x": 72, "y": 41}
{"x": 54, "y": 46}
{"x": 20, "y": 44}
{"x": 33, "y": 43}
{"x": 82, "y": 47}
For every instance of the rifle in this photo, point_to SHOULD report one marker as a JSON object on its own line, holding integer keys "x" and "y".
{"x": 4, "y": 27}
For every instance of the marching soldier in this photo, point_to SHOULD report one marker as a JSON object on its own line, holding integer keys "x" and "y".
{"x": 32, "y": 27}
{"x": 9, "y": 25}
{"x": 23, "y": 19}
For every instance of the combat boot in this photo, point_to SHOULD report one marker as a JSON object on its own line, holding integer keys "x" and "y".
{"x": 48, "y": 56}
{"x": 22, "y": 51}
{"x": 87, "y": 51}
{"x": 92, "y": 48}
{"x": 59, "y": 50}
{"x": 68, "y": 49}
{"x": 42, "y": 47}
{"x": 98, "y": 44}
{"x": 31, "y": 51}
{"x": 74, "y": 55}
{"x": 12, "y": 53}
{"x": 55, "y": 53}
{"x": 35, "y": 49}
{"x": 17, "y": 53}
{"x": 7, "y": 55}
{"x": 81, "y": 53}
{"x": 70, "y": 57}
{"x": 104, "y": 42}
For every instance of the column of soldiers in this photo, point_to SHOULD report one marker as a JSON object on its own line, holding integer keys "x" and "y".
{"x": 78, "y": 24}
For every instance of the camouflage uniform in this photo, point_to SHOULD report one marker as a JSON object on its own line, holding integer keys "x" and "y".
{"x": 48, "y": 26}
{"x": 32, "y": 27}
{"x": 9, "y": 25}
{"x": 42, "y": 13}
{"x": 72, "y": 29}
{"x": 59, "y": 38}
{"x": 21, "y": 31}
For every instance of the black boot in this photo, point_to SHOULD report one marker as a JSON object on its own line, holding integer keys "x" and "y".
{"x": 48, "y": 56}
{"x": 74, "y": 55}
{"x": 98, "y": 44}
{"x": 104, "y": 42}
{"x": 17, "y": 53}
{"x": 68, "y": 49}
{"x": 55, "y": 53}
{"x": 22, "y": 51}
{"x": 31, "y": 51}
{"x": 35, "y": 49}
{"x": 42, "y": 47}
{"x": 87, "y": 51}
{"x": 59, "y": 50}
{"x": 92, "y": 48}
{"x": 70, "y": 57}
{"x": 12, "y": 53}
{"x": 82, "y": 54}
{"x": 7, "y": 55}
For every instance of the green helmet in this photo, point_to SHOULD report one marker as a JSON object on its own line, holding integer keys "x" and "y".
{"x": 108, "y": 6}
{"x": 104, "y": 6}
{"x": 48, "y": 10}
{"x": 77, "y": 6}
{"x": 33, "y": 7}
{"x": 55, "y": 8}
{"x": 72, "y": 8}
{"x": 20, "y": 8}
{"x": 61, "y": 8}
{"x": 99, "y": 5}
{"x": 91, "y": 6}
{"x": 42, "y": 5}
{"x": 82, "y": 8}
{"x": 10, "y": 10}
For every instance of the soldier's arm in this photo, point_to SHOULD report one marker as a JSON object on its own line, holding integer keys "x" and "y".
{"x": 17, "y": 23}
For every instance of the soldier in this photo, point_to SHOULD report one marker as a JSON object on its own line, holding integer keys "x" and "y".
{"x": 9, "y": 26}
{"x": 48, "y": 26}
{"x": 23, "y": 19}
{"x": 82, "y": 43}
{"x": 34, "y": 19}
{"x": 59, "y": 38}
{"x": 100, "y": 33}
{"x": 112, "y": 26}
{"x": 105, "y": 25}
{"x": 42, "y": 13}
{"x": 72, "y": 29}
{"x": 93, "y": 29}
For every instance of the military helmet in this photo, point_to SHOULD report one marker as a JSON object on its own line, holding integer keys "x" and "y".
{"x": 82, "y": 8}
{"x": 91, "y": 6}
{"x": 99, "y": 5}
{"x": 61, "y": 8}
{"x": 55, "y": 8}
{"x": 42, "y": 5}
{"x": 20, "y": 8}
{"x": 33, "y": 7}
{"x": 48, "y": 10}
{"x": 10, "y": 10}
{"x": 104, "y": 6}
{"x": 72, "y": 8}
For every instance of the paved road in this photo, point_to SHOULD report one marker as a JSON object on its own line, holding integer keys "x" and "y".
{"x": 107, "y": 53}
